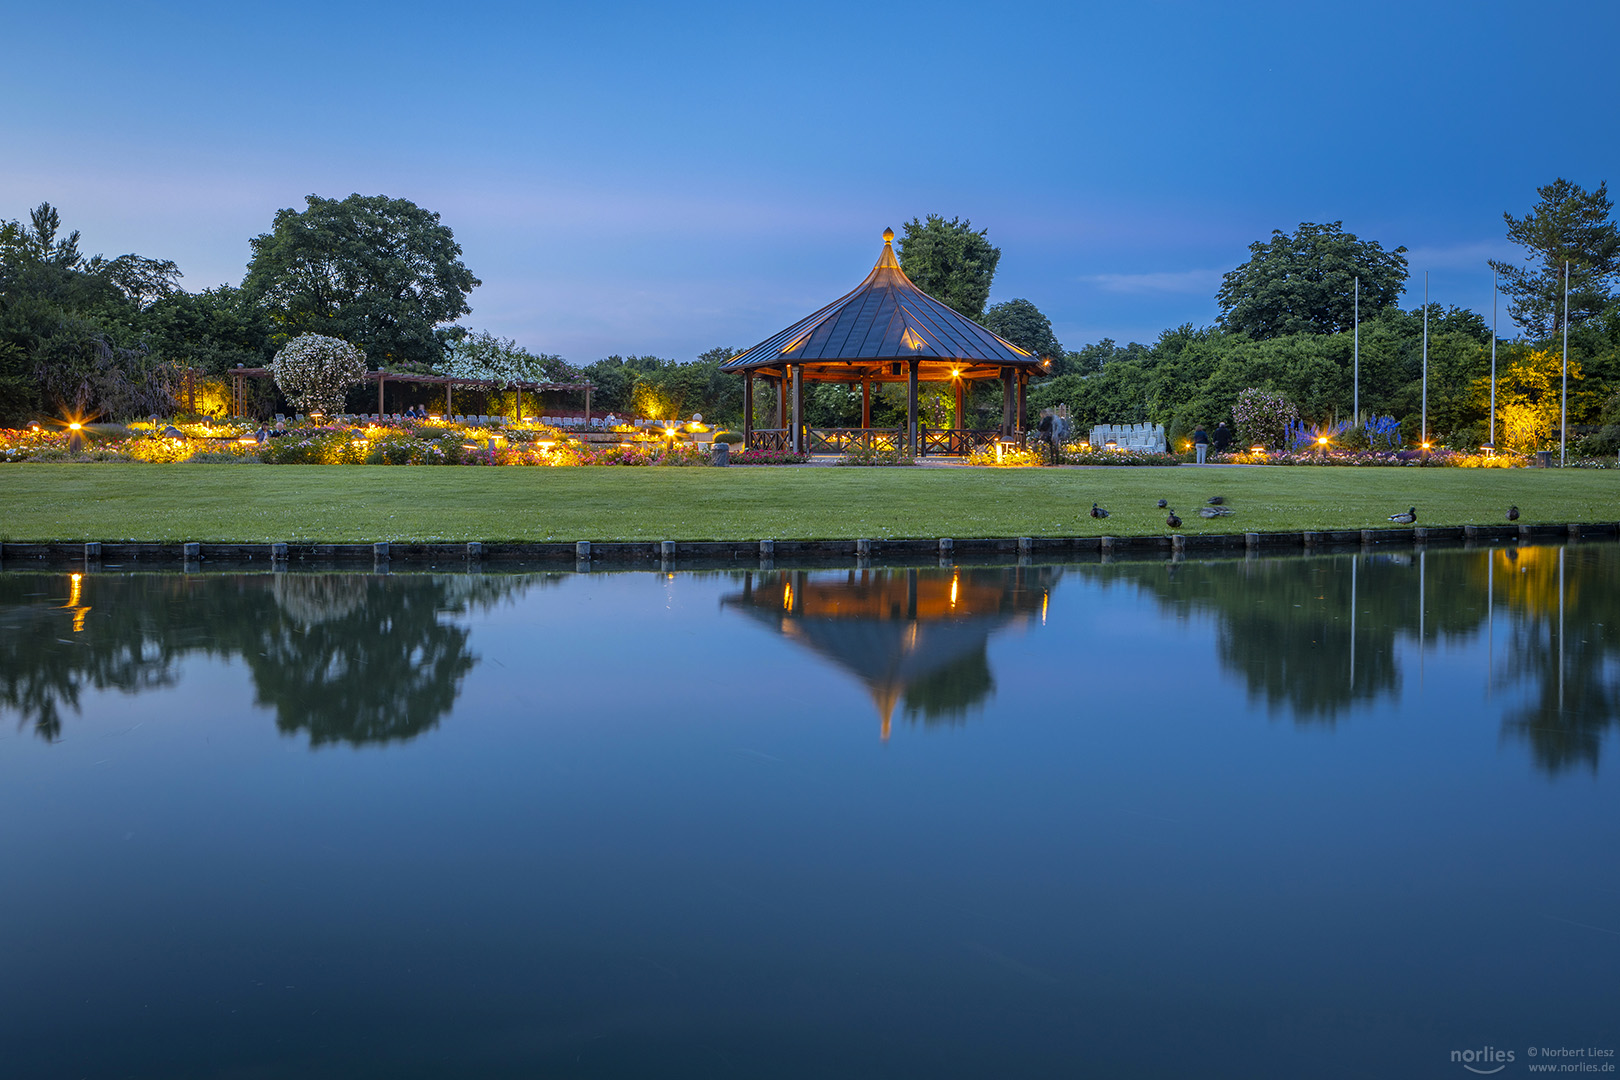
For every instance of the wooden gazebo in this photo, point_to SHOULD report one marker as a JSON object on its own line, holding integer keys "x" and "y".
{"x": 887, "y": 330}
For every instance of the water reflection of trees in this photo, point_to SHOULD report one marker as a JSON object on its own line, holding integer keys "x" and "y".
{"x": 351, "y": 658}
{"x": 1318, "y": 636}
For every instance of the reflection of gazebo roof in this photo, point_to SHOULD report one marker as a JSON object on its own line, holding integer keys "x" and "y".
{"x": 892, "y": 629}
{"x": 886, "y": 319}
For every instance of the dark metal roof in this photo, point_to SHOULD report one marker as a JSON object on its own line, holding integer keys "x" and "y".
{"x": 886, "y": 318}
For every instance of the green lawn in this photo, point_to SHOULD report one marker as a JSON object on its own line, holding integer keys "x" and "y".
{"x": 263, "y": 503}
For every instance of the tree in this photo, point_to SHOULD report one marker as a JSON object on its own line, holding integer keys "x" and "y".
{"x": 1262, "y": 418}
{"x": 950, "y": 262}
{"x": 1569, "y": 224}
{"x": 1022, "y": 323}
{"x": 314, "y": 371}
{"x": 1305, "y": 283}
{"x": 373, "y": 270}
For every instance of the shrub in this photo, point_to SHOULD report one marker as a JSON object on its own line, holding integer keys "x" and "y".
{"x": 732, "y": 437}
{"x": 314, "y": 370}
{"x": 1263, "y": 417}
{"x": 768, "y": 457}
{"x": 867, "y": 455}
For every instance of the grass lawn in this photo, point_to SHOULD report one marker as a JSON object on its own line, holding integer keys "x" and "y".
{"x": 261, "y": 503}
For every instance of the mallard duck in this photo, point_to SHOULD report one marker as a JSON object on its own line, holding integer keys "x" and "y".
{"x": 1513, "y": 513}
{"x": 1173, "y": 521}
{"x": 1406, "y": 518}
{"x": 1217, "y": 500}
{"x": 1213, "y": 511}
{"x": 1164, "y": 504}
{"x": 1097, "y": 511}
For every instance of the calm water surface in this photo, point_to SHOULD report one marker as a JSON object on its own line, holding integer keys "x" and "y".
{"x": 1326, "y": 817}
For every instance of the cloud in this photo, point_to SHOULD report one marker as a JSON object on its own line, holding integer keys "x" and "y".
{"x": 1161, "y": 281}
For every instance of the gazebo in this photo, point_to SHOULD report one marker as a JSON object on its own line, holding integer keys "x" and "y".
{"x": 912, "y": 636}
{"x": 887, "y": 330}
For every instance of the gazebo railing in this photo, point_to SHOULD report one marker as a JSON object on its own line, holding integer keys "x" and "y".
{"x": 956, "y": 440}
{"x": 772, "y": 440}
{"x": 841, "y": 440}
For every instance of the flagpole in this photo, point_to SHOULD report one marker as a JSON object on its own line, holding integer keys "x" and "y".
{"x": 1563, "y": 405}
{"x": 1358, "y": 353}
{"x": 1494, "y": 276}
{"x": 1425, "y": 359}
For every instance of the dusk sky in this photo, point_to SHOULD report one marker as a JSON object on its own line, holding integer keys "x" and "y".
{"x": 667, "y": 178}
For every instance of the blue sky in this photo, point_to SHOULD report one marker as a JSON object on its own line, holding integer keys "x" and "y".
{"x": 664, "y": 179}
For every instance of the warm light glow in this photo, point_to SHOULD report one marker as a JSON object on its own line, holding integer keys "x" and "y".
{"x": 79, "y": 610}
{"x": 999, "y": 449}
{"x": 787, "y": 596}
{"x": 1257, "y": 449}
{"x": 954, "y": 584}
{"x": 1425, "y": 446}
{"x": 956, "y": 373}
{"x": 248, "y": 440}
{"x": 1044, "y": 598}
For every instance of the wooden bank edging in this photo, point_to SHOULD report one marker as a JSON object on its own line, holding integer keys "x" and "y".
{"x": 585, "y": 554}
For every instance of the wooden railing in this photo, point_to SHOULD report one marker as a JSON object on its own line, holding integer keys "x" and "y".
{"x": 839, "y": 440}
{"x": 774, "y": 440}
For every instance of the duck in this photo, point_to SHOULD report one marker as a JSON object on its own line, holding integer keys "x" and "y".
{"x": 1513, "y": 513}
{"x": 1173, "y": 521}
{"x": 1406, "y": 518}
{"x": 1164, "y": 504}
{"x": 1217, "y": 500}
{"x": 1213, "y": 511}
{"x": 1097, "y": 511}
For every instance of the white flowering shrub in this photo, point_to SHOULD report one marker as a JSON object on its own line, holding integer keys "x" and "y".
{"x": 314, "y": 371}
{"x": 499, "y": 361}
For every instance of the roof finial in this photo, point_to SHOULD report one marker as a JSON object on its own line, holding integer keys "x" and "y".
{"x": 888, "y": 236}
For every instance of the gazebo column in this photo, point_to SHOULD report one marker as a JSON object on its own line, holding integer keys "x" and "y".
{"x": 1018, "y": 417}
{"x": 587, "y": 405}
{"x": 911, "y": 405}
{"x": 798, "y": 409}
{"x": 781, "y": 399}
{"x": 961, "y": 417}
{"x": 449, "y": 404}
{"x": 519, "y": 390}
{"x": 1006, "y": 401}
{"x": 866, "y": 402}
{"x": 748, "y": 409}
{"x": 381, "y": 412}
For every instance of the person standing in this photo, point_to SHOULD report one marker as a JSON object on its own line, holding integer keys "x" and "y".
{"x": 1222, "y": 438}
{"x": 1201, "y": 444}
{"x": 1045, "y": 427}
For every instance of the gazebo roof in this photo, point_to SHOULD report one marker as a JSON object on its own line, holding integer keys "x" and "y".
{"x": 886, "y": 318}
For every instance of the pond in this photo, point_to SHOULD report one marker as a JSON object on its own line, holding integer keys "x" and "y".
{"x": 1337, "y": 816}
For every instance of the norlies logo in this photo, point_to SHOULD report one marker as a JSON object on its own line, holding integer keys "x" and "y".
{"x": 1484, "y": 1061}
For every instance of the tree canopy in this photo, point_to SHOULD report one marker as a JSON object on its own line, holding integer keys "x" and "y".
{"x": 383, "y": 273}
{"x": 1568, "y": 223}
{"x": 950, "y": 262}
{"x": 1022, "y": 323}
{"x": 1305, "y": 283}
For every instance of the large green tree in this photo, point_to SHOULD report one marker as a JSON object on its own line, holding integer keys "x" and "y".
{"x": 949, "y": 261}
{"x": 383, "y": 273}
{"x": 1023, "y": 324}
{"x": 1304, "y": 283}
{"x": 1568, "y": 224}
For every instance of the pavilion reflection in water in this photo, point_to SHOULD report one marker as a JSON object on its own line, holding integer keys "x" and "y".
{"x": 912, "y": 636}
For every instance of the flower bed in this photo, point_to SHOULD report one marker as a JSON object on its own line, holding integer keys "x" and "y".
{"x": 1374, "y": 458}
{"x": 866, "y": 455}
{"x": 768, "y": 457}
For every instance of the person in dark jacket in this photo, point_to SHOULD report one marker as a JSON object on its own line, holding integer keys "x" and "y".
{"x": 1201, "y": 444}
{"x": 1223, "y": 437}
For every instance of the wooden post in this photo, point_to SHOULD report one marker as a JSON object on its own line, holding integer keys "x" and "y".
{"x": 449, "y": 404}
{"x": 961, "y": 419}
{"x": 587, "y": 404}
{"x": 866, "y": 402}
{"x": 1006, "y": 401}
{"x": 1018, "y": 417}
{"x": 911, "y": 404}
{"x": 748, "y": 409}
{"x": 380, "y": 380}
{"x": 798, "y": 409}
{"x": 519, "y": 389}
{"x": 781, "y": 399}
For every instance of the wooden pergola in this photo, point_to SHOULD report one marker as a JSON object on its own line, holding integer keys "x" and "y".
{"x": 886, "y": 331}
{"x": 239, "y": 376}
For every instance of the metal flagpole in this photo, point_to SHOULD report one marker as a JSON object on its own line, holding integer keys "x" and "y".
{"x": 1425, "y": 359}
{"x": 1494, "y": 276}
{"x": 1563, "y": 405}
{"x": 1358, "y": 353}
